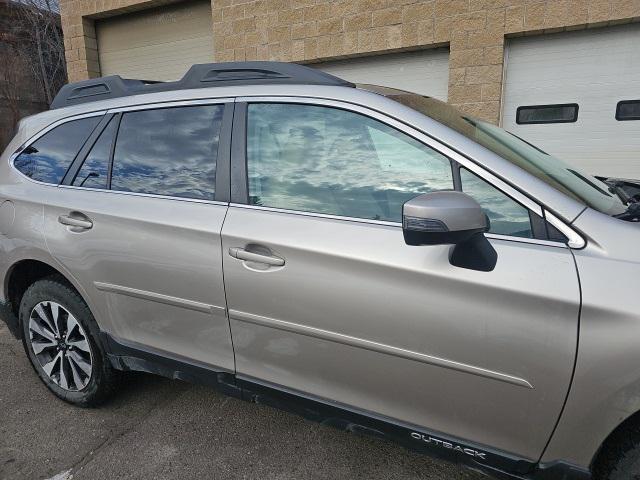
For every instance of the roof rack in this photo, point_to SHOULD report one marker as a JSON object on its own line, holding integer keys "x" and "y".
{"x": 198, "y": 76}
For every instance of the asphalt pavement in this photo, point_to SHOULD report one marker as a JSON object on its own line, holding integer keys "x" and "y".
{"x": 162, "y": 429}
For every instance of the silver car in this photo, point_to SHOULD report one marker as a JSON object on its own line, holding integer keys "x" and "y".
{"x": 366, "y": 257}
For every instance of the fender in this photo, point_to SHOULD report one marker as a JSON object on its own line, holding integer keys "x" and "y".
{"x": 606, "y": 386}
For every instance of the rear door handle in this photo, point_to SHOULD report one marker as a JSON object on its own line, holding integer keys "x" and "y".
{"x": 76, "y": 220}
{"x": 242, "y": 254}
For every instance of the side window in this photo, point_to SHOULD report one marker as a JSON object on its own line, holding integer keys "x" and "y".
{"x": 628, "y": 110}
{"x": 332, "y": 161}
{"x": 507, "y": 216}
{"x": 49, "y": 157}
{"x": 565, "y": 113}
{"x": 95, "y": 169}
{"x": 169, "y": 151}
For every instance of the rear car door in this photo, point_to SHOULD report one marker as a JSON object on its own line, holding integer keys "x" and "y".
{"x": 325, "y": 299}
{"x": 137, "y": 222}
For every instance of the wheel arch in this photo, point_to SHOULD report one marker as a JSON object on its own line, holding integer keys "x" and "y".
{"x": 24, "y": 272}
{"x": 621, "y": 437}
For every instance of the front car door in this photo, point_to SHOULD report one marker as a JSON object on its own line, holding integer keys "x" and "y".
{"x": 326, "y": 299}
{"x": 137, "y": 222}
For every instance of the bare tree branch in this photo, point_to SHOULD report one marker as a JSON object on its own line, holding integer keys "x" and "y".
{"x": 43, "y": 43}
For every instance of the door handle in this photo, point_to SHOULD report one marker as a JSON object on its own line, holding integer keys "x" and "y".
{"x": 242, "y": 254}
{"x": 77, "y": 221}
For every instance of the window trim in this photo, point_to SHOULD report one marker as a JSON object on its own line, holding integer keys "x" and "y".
{"x": 541, "y": 107}
{"x": 222, "y": 185}
{"x": 575, "y": 239}
{"x": 46, "y": 130}
{"x": 77, "y": 163}
{"x": 239, "y": 167}
{"x": 170, "y": 104}
{"x": 395, "y": 225}
{"x": 148, "y": 195}
{"x": 626, "y": 119}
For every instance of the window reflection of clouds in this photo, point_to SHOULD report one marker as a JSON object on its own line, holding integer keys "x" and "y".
{"x": 48, "y": 158}
{"x": 97, "y": 162}
{"x": 170, "y": 151}
{"x": 549, "y": 169}
{"x": 332, "y": 161}
{"x": 506, "y": 215}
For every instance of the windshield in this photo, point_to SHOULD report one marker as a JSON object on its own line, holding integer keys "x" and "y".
{"x": 569, "y": 180}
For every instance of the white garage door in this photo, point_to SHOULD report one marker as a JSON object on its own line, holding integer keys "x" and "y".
{"x": 425, "y": 72}
{"x": 594, "y": 69}
{"x": 158, "y": 44}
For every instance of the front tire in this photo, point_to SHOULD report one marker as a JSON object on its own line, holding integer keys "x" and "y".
{"x": 620, "y": 458}
{"x": 60, "y": 337}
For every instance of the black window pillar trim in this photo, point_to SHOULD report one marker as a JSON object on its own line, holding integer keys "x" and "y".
{"x": 80, "y": 157}
{"x": 239, "y": 177}
{"x": 538, "y": 226}
{"x": 223, "y": 163}
{"x": 112, "y": 150}
{"x": 457, "y": 179}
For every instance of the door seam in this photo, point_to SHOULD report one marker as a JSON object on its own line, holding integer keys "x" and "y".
{"x": 575, "y": 360}
{"x": 222, "y": 255}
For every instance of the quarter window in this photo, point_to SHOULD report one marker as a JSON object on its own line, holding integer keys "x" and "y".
{"x": 332, "y": 161}
{"x": 565, "y": 113}
{"x": 628, "y": 110}
{"x": 506, "y": 216}
{"x": 95, "y": 170}
{"x": 170, "y": 151}
{"x": 49, "y": 157}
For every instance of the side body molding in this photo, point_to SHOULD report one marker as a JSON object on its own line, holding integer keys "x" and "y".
{"x": 376, "y": 347}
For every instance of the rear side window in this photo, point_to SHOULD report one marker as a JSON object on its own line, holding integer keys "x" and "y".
{"x": 95, "y": 170}
{"x": 564, "y": 113}
{"x": 49, "y": 157}
{"x": 169, "y": 151}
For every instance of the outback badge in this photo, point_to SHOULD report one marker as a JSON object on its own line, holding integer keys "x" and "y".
{"x": 448, "y": 445}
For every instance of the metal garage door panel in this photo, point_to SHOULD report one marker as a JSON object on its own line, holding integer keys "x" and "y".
{"x": 594, "y": 68}
{"x": 425, "y": 72}
{"x": 158, "y": 44}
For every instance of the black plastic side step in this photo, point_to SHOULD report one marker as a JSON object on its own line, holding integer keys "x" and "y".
{"x": 499, "y": 464}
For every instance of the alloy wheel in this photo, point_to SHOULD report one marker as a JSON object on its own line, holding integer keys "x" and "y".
{"x": 60, "y": 345}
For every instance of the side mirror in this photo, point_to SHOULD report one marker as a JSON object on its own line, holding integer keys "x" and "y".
{"x": 450, "y": 218}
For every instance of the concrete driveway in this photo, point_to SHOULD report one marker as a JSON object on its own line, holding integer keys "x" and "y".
{"x": 161, "y": 429}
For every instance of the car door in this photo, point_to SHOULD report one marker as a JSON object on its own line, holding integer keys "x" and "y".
{"x": 326, "y": 299}
{"x": 137, "y": 222}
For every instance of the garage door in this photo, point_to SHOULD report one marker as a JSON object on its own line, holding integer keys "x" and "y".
{"x": 572, "y": 83}
{"x": 425, "y": 72}
{"x": 158, "y": 44}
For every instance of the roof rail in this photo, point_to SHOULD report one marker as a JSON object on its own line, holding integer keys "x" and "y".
{"x": 198, "y": 76}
